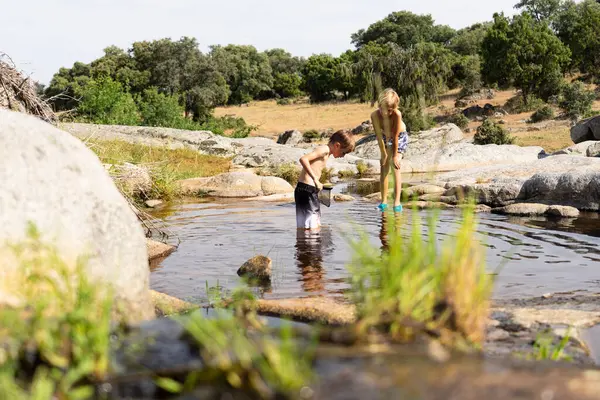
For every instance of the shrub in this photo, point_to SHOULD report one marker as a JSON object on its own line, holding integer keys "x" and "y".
{"x": 519, "y": 104}
{"x": 362, "y": 167}
{"x": 492, "y": 133}
{"x": 416, "y": 286}
{"x": 284, "y": 101}
{"x": 104, "y": 101}
{"x": 459, "y": 120}
{"x": 289, "y": 172}
{"x": 576, "y": 100}
{"x": 543, "y": 114}
{"x": 346, "y": 174}
{"x": 310, "y": 135}
{"x": 234, "y": 127}
{"x": 417, "y": 121}
{"x": 157, "y": 109}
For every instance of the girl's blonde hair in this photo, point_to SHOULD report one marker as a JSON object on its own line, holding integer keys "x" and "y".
{"x": 388, "y": 99}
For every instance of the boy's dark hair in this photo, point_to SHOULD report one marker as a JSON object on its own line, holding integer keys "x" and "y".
{"x": 344, "y": 138}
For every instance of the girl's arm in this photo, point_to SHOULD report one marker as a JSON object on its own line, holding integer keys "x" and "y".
{"x": 396, "y": 125}
{"x": 377, "y": 129}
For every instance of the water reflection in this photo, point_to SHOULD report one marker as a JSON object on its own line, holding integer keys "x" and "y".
{"x": 389, "y": 221}
{"x": 311, "y": 247}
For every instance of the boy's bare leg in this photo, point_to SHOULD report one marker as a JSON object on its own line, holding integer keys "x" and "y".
{"x": 397, "y": 186}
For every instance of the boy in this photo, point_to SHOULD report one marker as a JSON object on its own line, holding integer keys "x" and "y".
{"x": 308, "y": 208}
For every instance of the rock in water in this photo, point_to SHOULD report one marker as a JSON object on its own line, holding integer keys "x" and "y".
{"x": 53, "y": 181}
{"x": 256, "y": 268}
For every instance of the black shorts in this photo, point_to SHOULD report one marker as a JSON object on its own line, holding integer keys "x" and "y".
{"x": 308, "y": 207}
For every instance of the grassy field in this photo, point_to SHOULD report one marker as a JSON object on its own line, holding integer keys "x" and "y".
{"x": 273, "y": 119}
{"x": 183, "y": 163}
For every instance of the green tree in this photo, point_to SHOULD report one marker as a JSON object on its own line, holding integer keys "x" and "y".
{"x": 104, "y": 101}
{"x": 121, "y": 67}
{"x": 578, "y": 26}
{"x": 65, "y": 84}
{"x": 286, "y": 72}
{"x": 158, "y": 109}
{"x": 419, "y": 75}
{"x": 180, "y": 69}
{"x": 404, "y": 29}
{"x": 467, "y": 41}
{"x": 344, "y": 75}
{"x": 368, "y": 66}
{"x": 541, "y": 10}
{"x": 524, "y": 53}
{"x": 247, "y": 72}
{"x": 466, "y": 72}
{"x": 319, "y": 77}
{"x": 576, "y": 100}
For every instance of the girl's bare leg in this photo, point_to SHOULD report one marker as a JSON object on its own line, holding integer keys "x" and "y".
{"x": 397, "y": 186}
{"x": 384, "y": 180}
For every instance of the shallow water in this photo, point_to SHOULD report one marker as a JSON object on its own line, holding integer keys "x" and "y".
{"x": 536, "y": 255}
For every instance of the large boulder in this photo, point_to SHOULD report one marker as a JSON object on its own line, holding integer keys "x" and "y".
{"x": 291, "y": 138}
{"x": 418, "y": 142}
{"x": 555, "y": 180}
{"x": 579, "y": 149}
{"x": 52, "y": 180}
{"x": 236, "y": 184}
{"x": 588, "y": 129}
{"x": 204, "y": 142}
{"x": 445, "y": 149}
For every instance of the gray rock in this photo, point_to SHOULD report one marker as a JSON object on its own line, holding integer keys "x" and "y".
{"x": 342, "y": 197}
{"x": 562, "y": 179}
{"x": 488, "y": 110}
{"x": 588, "y": 129}
{"x": 158, "y": 249}
{"x": 51, "y": 179}
{"x": 153, "y": 203}
{"x": 258, "y": 267}
{"x": 423, "y": 189}
{"x": 132, "y": 179}
{"x": 204, "y": 142}
{"x": 364, "y": 127}
{"x": 526, "y": 209}
{"x": 273, "y": 185}
{"x": 593, "y": 150}
{"x": 579, "y": 149}
{"x": 236, "y": 184}
{"x": 292, "y": 138}
{"x": 563, "y": 211}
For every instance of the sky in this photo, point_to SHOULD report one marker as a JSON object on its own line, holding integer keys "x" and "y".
{"x": 43, "y": 35}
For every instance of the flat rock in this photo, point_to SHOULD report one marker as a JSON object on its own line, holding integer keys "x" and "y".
{"x": 165, "y": 305}
{"x": 322, "y": 310}
{"x": 236, "y": 184}
{"x": 342, "y": 197}
{"x": 158, "y": 249}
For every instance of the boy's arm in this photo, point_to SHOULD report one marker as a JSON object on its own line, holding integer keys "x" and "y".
{"x": 377, "y": 129}
{"x": 305, "y": 160}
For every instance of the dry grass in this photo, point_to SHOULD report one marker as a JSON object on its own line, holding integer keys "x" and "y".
{"x": 273, "y": 119}
{"x": 183, "y": 163}
{"x": 551, "y": 140}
